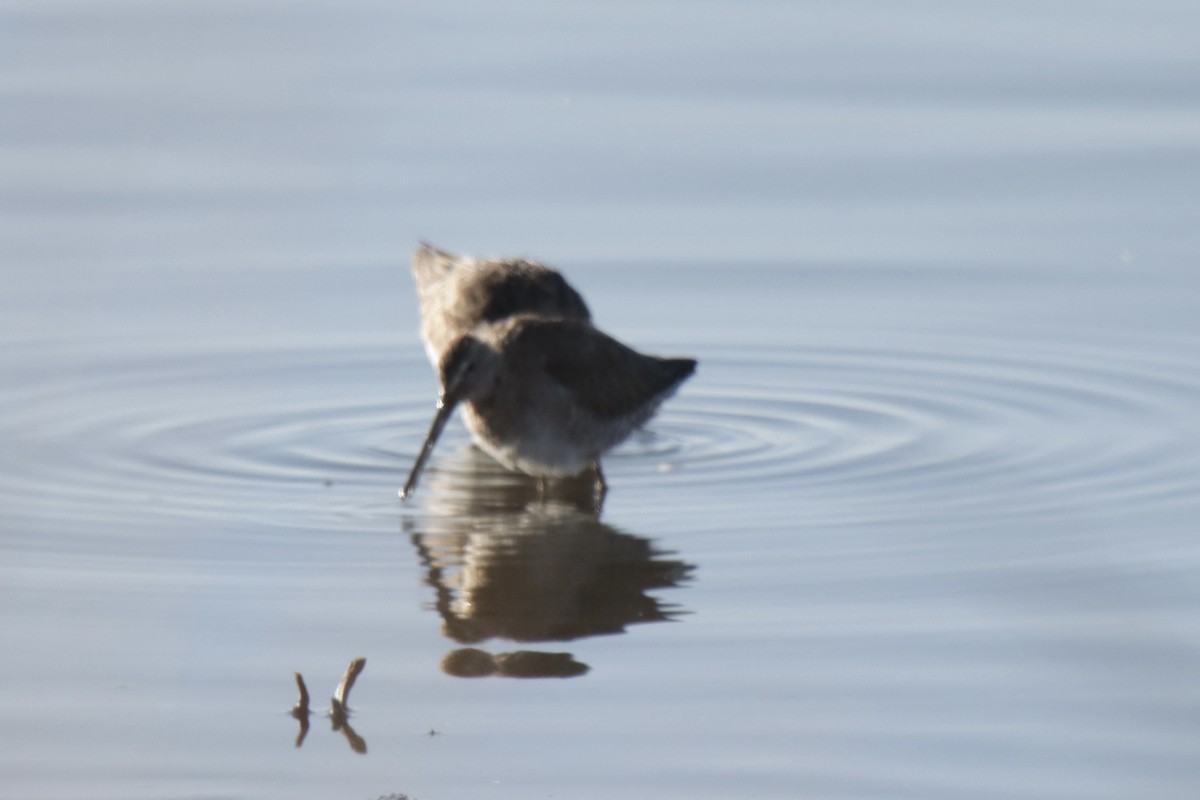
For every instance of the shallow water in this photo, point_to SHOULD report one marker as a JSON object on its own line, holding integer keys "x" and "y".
{"x": 922, "y": 525}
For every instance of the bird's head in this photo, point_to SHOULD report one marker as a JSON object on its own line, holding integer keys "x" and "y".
{"x": 467, "y": 371}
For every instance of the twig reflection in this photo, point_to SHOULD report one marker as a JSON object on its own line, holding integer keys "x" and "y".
{"x": 339, "y": 709}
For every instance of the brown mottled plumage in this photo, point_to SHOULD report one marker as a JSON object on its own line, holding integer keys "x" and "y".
{"x": 541, "y": 389}
{"x": 456, "y": 293}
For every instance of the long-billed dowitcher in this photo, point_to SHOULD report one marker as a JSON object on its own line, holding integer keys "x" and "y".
{"x": 456, "y": 293}
{"x": 542, "y": 393}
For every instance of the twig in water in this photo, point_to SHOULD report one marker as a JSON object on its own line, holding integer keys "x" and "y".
{"x": 342, "y": 695}
{"x": 300, "y": 710}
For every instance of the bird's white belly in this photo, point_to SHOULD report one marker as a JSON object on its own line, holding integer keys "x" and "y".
{"x": 546, "y": 447}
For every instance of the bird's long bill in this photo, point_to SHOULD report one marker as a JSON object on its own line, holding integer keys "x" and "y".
{"x": 444, "y": 409}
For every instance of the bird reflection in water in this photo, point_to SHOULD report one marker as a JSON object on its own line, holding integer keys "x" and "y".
{"x": 506, "y": 562}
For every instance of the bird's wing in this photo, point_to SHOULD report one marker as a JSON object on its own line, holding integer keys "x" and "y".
{"x": 606, "y": 377}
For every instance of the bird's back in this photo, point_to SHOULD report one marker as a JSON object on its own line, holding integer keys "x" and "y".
{"x": 607, "y": 378}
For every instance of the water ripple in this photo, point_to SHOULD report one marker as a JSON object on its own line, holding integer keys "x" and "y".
{"x": 998, "y": 428}
{"x": 936, "y": 427}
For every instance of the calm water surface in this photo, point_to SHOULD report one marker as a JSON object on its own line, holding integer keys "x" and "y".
{"x": 921, "y": 526}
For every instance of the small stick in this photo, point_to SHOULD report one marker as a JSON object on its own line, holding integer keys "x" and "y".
{"x": 300, "y": 711}
{"x": 342, "y": 695}
{"x": 302, "y": 703}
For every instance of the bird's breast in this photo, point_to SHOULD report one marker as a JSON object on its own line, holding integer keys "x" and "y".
{"x": 538, "y": 441}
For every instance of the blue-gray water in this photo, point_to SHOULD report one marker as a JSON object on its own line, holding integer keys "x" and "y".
{"x": 923, "y": 525}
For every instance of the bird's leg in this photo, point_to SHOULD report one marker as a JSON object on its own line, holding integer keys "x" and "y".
{"x": 541, "y": 482}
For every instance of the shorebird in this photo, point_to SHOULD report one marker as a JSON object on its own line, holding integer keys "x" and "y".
{"x": 542, "y": 391}
{"x": 456, "y": 293}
